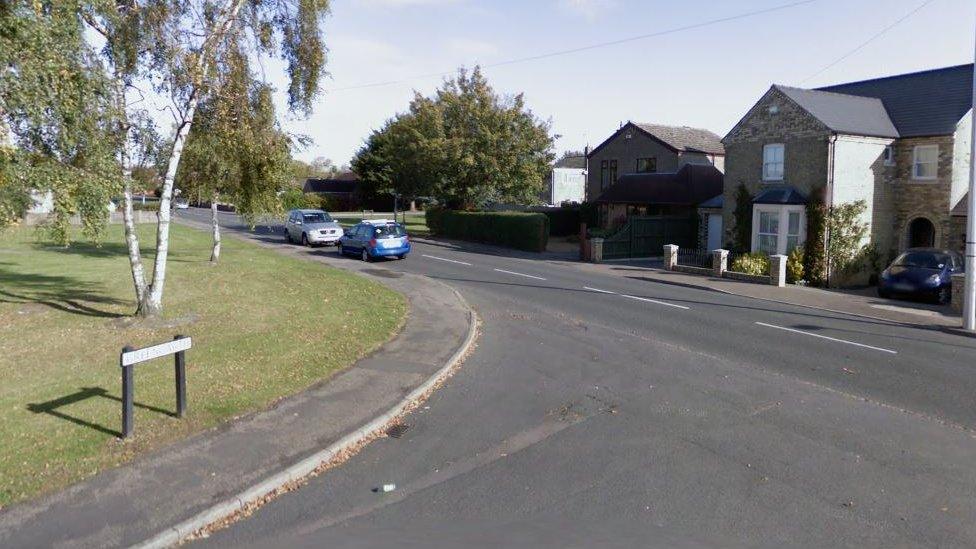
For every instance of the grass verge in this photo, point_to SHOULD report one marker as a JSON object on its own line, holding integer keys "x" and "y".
{"x": 264, "y": 325}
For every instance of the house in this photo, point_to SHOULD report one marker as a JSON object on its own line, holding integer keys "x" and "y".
{"x": 900, "y": 143}
{"x": 567, "y": 181}
{"x": 650, "y": 148}
{"x": 669, "y": 194}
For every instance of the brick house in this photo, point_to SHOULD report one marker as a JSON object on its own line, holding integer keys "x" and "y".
{"x": 646, "y": 149}
{"x": 900, "y": 143}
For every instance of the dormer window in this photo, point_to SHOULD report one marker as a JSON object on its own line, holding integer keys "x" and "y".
{"x": 773, "y": 162}
{"x": 889, "y": 156}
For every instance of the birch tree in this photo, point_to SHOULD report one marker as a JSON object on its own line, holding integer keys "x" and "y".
{"x": 176, "y": 47}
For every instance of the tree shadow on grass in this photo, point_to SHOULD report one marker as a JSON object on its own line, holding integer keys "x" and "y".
{"x": 63, "y": 293}
{"x": 51, "y": 408}
{"x": 119, "y": 249}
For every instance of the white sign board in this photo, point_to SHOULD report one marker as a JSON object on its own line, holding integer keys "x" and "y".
{"x": 156, "y": 351}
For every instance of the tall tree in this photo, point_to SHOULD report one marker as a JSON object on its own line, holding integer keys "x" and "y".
{"x": 180, "y": 46}
{"x": 53, "y": 115}
{"x": 466, "y": 145}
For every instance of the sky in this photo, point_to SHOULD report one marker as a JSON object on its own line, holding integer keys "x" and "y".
{"x": 706, "y": 76}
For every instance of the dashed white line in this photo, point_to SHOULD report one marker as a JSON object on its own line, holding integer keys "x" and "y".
{"x": 828, "y": 338}
{"x": 519, "y": 274}
{"x": 599, "y": 290}
{"x": 665, "y": 303}
{"x": 445, "y": 259}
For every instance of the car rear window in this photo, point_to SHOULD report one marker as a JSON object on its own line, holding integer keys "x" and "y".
{"x": 389, "y": 231}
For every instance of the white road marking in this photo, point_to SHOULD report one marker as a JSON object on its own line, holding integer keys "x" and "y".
{"x": 519, "y": 274}
{"x": 676, "y": 306}
{"x": 828, "y": 338}
{"x": 599, "y": 290}
{"x": 448, "y": 260}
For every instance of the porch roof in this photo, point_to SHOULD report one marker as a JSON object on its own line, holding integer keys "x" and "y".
{"x": 780, "y": 194}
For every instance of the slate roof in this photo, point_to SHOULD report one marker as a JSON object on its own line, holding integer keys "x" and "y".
{"x": 713, "y": 202}
{"x": 848, "y": 114}
{"x": 573, "y": 162}
{"x": 780, "y": 194}
{"x": 922, "y": 103}
{"x": 690, "y": 186}
{"x": 684, "y": 138}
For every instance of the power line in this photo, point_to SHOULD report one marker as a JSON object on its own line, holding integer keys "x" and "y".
{"x": 864, "y": 44}
{"x": 591, "y": 46}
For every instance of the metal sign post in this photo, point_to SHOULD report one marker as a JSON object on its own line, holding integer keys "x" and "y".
{"x": 130, "y": 357}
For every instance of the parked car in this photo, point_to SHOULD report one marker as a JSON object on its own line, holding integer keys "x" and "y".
{"x": 181, "y": 204}
{"x": 376, "y": 238}
{"x": 312, "y": 228}
{"x": 921, "y": 272}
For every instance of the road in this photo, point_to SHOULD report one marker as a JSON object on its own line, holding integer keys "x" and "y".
{"x": 608, "y": 411}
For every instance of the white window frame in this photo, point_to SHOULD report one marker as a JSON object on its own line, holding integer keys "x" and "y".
{"x": 889, "y": 155}
{"x": 783, "y": 211}
{"x": 915, "y": 163}
{"x": 782, "y": 171}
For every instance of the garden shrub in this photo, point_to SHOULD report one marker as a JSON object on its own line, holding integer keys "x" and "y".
{"x": 751, "y": 263}
{"x": 794, "y": 266}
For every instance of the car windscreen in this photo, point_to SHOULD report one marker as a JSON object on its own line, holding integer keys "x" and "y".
{"x": 924, "y": 260}
{"x": 316, "y": 218}
{"x": 389, "y": 231}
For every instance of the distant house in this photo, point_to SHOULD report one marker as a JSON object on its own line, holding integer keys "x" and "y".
{"x": 670, "y": 194}
{"x": 899, "y": 143}
{"x": 650, "y": 148}
{"x": 567, "y": 182}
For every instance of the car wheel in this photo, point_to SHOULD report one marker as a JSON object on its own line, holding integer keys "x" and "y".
{"x": 287, "y": 236}
{"x": 402, "y": 256}
{"x": 305, "y": 240}
{"x": 883, "y": 293}
{"x": 339, "y": 248}
{"x": 944, "y": 296}
{"x": 366, "y": 257}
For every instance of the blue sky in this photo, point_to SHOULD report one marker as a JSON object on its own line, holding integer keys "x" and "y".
{"x": 706, "y": 77}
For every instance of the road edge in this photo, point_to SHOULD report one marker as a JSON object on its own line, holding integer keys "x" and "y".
{"x": 245, "y": 500}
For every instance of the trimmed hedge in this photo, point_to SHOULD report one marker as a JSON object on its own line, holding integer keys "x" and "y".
{"x": 519, "y": 230}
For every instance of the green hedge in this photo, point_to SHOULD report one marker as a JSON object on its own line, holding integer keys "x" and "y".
{"x": 519, "y": 230}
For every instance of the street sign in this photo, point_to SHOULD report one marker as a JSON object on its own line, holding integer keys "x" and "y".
{"x": 156, "y": 351}
{"x": 130, "y": 357}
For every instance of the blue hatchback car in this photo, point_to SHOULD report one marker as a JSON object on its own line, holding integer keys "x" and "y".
{"x": 921, "y": 272}
{"x": 375, "y": 238}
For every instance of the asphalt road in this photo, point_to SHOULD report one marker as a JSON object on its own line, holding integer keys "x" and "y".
{"x": 616, "y": 412}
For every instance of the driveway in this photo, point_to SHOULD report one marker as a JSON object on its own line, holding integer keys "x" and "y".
{"x": 601, "y": 410}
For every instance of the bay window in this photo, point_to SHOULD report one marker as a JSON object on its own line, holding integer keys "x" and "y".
{"x": 778, "y": 229}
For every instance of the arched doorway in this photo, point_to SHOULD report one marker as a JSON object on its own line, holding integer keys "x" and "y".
{"x": 921, "y": 233}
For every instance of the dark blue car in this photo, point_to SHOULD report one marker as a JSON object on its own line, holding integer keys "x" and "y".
{"x": 375, "y": 238}
{"x": 923, "y": 273}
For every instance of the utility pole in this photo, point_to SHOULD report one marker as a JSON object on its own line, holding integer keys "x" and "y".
{"x": 969, "y": 299}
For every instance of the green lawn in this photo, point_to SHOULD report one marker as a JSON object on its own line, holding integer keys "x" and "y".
{"x": 264, "y": 325}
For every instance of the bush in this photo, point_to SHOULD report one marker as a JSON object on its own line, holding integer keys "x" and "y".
{"x": 752, "y": 264}
{"x": 294, "y": 199}
{"x": 794, "y": 266}
{"x": 520, "y": 230}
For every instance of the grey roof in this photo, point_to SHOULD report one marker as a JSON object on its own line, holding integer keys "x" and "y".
{"x": 780, "y": 194}
{"x": 687, "y": 187}
{"x": 684, "y": 138}
{"x": 574, "y": 162}
{"x": 922, "y": 103}
{"x": 849, "y": 114}
{"x": 713, "y": 202}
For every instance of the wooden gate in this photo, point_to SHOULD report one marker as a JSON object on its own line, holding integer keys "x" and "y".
{"x": 646, "y": 237}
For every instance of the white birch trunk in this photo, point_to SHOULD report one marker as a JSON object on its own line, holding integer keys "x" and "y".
{"x": 215, "y": 253}
{"x": 153, "y": 303}
{"x": 132, "y": 242}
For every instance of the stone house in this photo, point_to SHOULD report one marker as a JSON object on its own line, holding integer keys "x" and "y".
{"x": 900, "y": 143}
{"x": 646, "y": 149}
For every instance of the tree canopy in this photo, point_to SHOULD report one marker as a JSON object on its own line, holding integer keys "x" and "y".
{"x": 466, "y": 146}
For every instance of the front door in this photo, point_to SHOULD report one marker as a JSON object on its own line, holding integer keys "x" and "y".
{"x": 714, "y": 231}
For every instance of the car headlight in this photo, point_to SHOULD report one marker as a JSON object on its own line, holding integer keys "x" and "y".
{"x": 933, "y": 280}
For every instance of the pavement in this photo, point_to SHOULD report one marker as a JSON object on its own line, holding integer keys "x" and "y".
{"x": 616, "y": 411}
{"x": 130, "y": 504}
{"x": 862, "y": 301}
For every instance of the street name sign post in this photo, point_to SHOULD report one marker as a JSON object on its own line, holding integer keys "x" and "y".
{"x": 130, "y": 357}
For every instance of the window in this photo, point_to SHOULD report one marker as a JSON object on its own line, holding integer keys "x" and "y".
{"x": 925, "y": 164}
{"x": 793, "y": 231}
{"x": 604, "y": 176}
{"x": 773, "y": 162}
{"x": 613, "y": 172}
{"x": 768, "y": 232}
{"x": 647, "y": 165}
{"x": 889, "y": 156}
